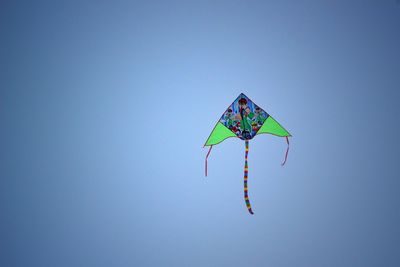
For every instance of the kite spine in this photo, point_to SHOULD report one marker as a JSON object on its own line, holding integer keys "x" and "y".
{"x": 246, "y": 171}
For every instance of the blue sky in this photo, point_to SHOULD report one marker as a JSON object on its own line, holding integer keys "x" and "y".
{"x": 105, "y": 106}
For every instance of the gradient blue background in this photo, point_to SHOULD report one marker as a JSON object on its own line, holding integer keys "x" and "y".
{"x": 105, "y": 106}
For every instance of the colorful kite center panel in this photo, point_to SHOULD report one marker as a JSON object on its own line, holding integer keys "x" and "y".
{"x": 244, "y": 118}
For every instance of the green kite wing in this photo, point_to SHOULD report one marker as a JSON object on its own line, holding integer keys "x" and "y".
{"x": 219, "y": 134}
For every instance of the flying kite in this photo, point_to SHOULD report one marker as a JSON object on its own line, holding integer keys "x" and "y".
{"x": 244, "y": 119}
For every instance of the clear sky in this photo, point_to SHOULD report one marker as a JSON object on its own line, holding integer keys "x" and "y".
{"x": 105, "y": 107}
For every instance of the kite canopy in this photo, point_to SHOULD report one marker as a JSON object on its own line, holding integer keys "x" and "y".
{"x": 244, "y": 119}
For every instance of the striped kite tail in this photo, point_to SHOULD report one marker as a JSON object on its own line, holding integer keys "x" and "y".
{"x": 246, "y": 196}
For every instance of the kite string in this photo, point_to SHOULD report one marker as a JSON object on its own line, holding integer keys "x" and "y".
{"x": 246, "y": 169}
{"x": 287, "y": 151}
{"x": 207, "y": 158}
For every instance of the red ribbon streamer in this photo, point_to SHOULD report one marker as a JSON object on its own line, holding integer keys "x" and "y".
{"x": 287, "y": 151}
{"x": 207, "y": 158}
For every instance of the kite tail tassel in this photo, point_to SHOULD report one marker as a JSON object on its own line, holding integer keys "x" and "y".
{"x": 287, "y": 151}
{"x": 207, "y": 158}
{"x": 246, "y": 196}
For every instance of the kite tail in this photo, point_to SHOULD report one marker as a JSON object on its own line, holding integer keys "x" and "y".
{"x": 207, "y": 158}
{"x": 287, "y": 151}
{"x": 246, "y": 196}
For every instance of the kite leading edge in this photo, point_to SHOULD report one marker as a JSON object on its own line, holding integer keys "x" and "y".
{"x": 244, "y": 119}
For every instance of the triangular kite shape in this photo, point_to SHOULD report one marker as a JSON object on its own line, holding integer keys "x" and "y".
{"x": 244, "y": 119}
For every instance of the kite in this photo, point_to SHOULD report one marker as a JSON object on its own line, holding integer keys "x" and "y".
{"x": 244, "y": 119}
